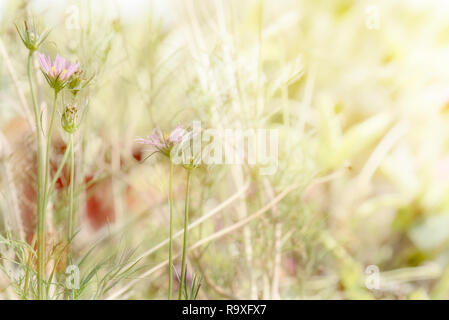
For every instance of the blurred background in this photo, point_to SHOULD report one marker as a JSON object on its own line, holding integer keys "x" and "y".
{"x": 358, "y": 90}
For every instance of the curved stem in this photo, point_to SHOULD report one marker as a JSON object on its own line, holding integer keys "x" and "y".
{"x": 72, "y": 183}
{"x": 170, "y": 245}
{"x": 184, "y": 247}
{"x": 40, "y": 226}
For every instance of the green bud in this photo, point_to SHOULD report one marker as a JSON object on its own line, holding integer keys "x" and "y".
{"x": 69, "y": 118}
{"x": 78, "y": 82}
{"x": 30, "y": 36}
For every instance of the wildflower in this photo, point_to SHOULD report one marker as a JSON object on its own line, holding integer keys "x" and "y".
{"x": 69, "y": 118}
{"x": 164, "y": 143}
{"x": 31, "y": 37}
{"x": 59, "y": 73}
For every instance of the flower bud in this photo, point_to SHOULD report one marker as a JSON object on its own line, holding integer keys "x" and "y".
{"x": 69, "y": 118}
{"x": 30, "y": 36}
{"x": 78, "y": 82}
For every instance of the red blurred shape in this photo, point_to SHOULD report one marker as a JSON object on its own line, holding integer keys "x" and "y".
{"x": 99, "y": 202}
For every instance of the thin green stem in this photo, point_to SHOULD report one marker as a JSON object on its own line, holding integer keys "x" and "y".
{"x": 58, "y": 172}
{"x": 72, "y": 183}
{"x": 184, "y": 246}
{"x": 47, "y": 153}
{"x": 41, "y": 216}
{"x": 170, "y": 245}
{"x": 71, "y": 192}
{"x": 40, "y": 226}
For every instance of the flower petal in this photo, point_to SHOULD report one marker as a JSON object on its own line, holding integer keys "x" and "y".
{"x": 176, "y": 135}
{"x": 150, "y": 141}
{"x": 72, "y": 69}
{"x": 157, "y": 135}
{"x": 45, "y": 62}
{"x": 59, "y": 65}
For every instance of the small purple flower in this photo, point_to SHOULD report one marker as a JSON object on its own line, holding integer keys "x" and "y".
{"x": 59, "y": 73}
{"x": 164, "y": 143}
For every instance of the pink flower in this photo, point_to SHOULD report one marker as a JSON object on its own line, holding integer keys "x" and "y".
{"x": 58, "y": 73}
{"x": 163, "y": 143}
